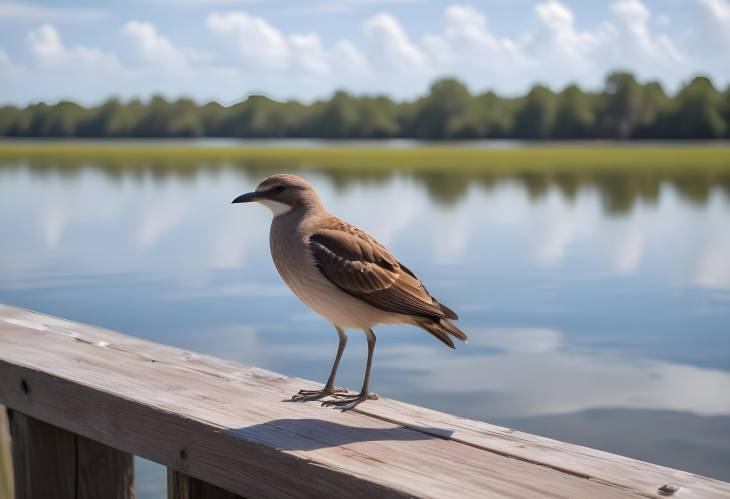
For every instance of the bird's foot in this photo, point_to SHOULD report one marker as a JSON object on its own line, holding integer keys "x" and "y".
{"x": 347, "y": 401}
{"x": 304, "y": 395}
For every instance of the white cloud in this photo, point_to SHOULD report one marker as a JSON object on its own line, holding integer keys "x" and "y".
{"x": 49, "y": 50}
{"x": 715, "y": 27}
{"x": 588, "y": 379}
{"x": 338, "y": 6}
{"x": 31, "y": 12}
{"x": 634, "y": 34}
{"x": 557, "y": 37}
{"x": 519, "y": 340}
{"x": 711, "y": 267}
{"x": 202, "y": 3}
{"x": 558, "y": 227}
{"x": 310, "y": 54}
{"x": 346, "y": 57}
{"x": 718, "y": 9}
{"x": 389, "y": 39}
{"x": 253, "y": 54}
{"x": 465, "y": 41}
{"x": 553, "y": 50}
{"x": 255, "y": 42}
{"x": 53, "y": 223}
{"x": 455, "y": 227}
{"x": 152, "y": 48}
{"x": 627, "y": 249}
{"x": 157, "y": 217}
{"x": 5, "y": 63}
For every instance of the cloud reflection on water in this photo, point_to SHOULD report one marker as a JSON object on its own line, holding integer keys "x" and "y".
{"x": 530, "y": 371}
{"x": 199, "y": 220}
{"x": 623, "y": 282}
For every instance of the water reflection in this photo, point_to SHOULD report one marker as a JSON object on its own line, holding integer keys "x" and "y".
{"x": 619, "y": 191}
{"x": 592, "y": 299}
{"x": 555, "y": 378}
{"x": 676, "y": 439}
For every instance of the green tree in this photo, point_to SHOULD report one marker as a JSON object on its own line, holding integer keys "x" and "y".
{"x": 625, "y": 109}
{"x": 699, "y": 111}
{"x": 575, "y": 116}
{"x": 257, "y": 116}
{"x": 63, "y": 120}
{"x": 337, "y": 117}
{"x": 9, "y": 120}
{"x": 726, "y": 109}
{"x": 496, "y": 114}
{"x": 622, "y": 105}
{"x": 444, "y": 112}
{"x": 111, "y": 119}
{"x": 536, "y": 117}
{"x": 378, "y": 118}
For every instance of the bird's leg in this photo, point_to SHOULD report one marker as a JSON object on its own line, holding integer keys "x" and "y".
{"x": 329, "y": 388}
{"x": 348, "y": 401}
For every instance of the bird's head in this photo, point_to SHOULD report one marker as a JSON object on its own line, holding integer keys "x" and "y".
{"x": 282, "y": 193}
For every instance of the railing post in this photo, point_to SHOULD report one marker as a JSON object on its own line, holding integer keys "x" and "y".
{"x": 182, "y": 486}
{"x": 6, "y": 462}
{"x": 51, "y": 462}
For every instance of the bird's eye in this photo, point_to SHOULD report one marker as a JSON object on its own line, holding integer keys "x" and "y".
{"x": 279, "y": 188}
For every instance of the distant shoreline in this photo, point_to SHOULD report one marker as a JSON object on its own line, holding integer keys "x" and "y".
{"x": 372, "y": 156}
{"x": 315, "y": 143}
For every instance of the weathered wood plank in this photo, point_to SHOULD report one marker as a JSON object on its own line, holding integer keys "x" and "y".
{"x": 7, "y": 489}
{"x": 44, "y": 459}
{"x": 102, "y": 471}
{"x": 238, "y": 433}
{"x": 52, "y": 462}
{"x": 182, "y": 486}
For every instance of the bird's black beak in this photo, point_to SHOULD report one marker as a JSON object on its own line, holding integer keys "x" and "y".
{"x": 246, "y": 198}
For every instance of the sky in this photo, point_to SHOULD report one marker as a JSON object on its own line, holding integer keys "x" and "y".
{"x": 224, "y": 50}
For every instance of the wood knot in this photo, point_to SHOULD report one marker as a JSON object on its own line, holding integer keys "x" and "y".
{"x": 183, "y": 454}
{"x": 667, "y": 489}
{"x": 24, "y": 386}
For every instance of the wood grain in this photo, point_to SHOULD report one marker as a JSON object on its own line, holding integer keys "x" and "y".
{"x": 51, "y": 462}
{"x": 7, "y": 489}
{"x": 102, "y": 471}
{"x": 44, "y": 459}
{"x": 230, "y": 425}
{"x": 182, "y": 486}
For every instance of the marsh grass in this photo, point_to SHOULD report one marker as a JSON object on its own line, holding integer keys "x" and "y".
{"x": 622, "y": 174}
{"x": 434, "y": 158}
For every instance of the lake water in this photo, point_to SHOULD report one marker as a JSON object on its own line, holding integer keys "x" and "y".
{"x": 598, "y": 307}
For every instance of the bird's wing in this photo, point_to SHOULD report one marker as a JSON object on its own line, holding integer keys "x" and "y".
{"x": 359, "y": 265}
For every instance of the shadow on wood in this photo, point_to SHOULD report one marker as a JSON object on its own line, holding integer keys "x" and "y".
{"x": 182, "y": 486}
{"x": 225, "y": 424}
{"x": 310, "y": 434}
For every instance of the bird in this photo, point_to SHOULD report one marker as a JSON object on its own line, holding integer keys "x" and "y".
{"x": 346, "y": 276}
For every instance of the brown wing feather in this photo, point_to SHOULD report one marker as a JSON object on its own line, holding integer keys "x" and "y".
{"x": 356, "y": 263}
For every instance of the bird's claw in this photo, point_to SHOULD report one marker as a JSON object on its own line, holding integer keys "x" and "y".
{"x": 349, "y": 401}
{"x": 304, "y": 395}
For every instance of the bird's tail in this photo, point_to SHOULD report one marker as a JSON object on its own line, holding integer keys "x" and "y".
{"x": 442, "y": 329}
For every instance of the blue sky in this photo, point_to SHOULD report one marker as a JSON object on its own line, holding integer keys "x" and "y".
{"x": 227, "y": 49}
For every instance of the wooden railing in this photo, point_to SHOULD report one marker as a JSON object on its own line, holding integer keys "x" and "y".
{"x": 83, "y": 400}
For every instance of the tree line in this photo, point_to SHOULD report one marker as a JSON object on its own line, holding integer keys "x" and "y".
{"x": 623, "y": 109}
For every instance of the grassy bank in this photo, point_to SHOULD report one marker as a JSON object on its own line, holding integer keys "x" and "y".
{"x": 372, "y": 158}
